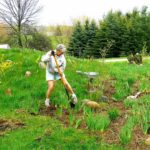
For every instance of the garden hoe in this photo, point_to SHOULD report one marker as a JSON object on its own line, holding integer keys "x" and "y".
{"x": 64, "y": 82}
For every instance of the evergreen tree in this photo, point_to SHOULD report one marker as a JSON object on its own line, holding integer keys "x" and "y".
{"x": 90, "y": 45}
{"x": 76, "y": 42}
{"x": 127, "y": 33}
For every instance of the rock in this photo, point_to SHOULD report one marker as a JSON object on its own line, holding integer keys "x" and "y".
{"x": 131, "y": 97}
{"x": 8, "y": 60}
{"x": 8, "y": 92}
{"x": 134, "y": 96}
{"x": 28, "y": 74}
{"x": 91, "y": 104}
{"x": 147, "y": 141}
{"x": 104, "y": 99}
{"x": 137, "y": 94}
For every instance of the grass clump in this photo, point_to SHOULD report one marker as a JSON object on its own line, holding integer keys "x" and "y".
{"x": 113, "y": 113}
{"x": 97, "y": 122}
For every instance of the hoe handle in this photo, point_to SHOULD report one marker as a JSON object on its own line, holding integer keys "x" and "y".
{"x": 67, "y": 86}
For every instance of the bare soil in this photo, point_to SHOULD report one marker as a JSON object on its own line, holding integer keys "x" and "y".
{"x": 7, "y": 125}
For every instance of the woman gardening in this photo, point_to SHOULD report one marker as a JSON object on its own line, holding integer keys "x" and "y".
{"x": 53, "y": 74}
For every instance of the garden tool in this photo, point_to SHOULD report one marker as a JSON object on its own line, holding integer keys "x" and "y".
{"x": 67, "y": 87}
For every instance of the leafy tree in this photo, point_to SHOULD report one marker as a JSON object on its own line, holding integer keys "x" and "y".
{"x": 17, "y": 13}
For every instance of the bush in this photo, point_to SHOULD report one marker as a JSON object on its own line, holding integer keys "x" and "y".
{"x": 40, "y": 42}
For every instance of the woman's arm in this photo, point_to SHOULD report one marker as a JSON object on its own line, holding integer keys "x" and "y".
{"x": 46, "y": 57}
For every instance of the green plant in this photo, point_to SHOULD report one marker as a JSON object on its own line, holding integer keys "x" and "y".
{"x": 129, "y": 103}
{"x": 125, "y": 135}
{"x": 113, "y": 113}
{"x": 87, "y": 110}
{"x": 126, "y": 131}
{"x": 144, "y": 49}
{"x": 59, "y": 111}
{"x": 78, "y": 122}
{"x": 97, "y": 122}
{"x": 71, "y": 119}
{"x": 145, "y": 117}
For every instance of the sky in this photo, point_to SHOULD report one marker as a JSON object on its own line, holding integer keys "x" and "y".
{"x": 58, "y": 12}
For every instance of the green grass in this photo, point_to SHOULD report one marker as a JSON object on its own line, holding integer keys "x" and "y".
{"x": 45, "y": 132}
{"x": 113, "y": 113}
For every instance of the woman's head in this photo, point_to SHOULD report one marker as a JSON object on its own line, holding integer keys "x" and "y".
{"x": 60, "y": 49}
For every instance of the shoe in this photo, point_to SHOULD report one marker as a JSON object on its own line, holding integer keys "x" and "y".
{"x": 74, "y": 101}
{"x": 47, "y": 103}
{"x": 72, "y": 105}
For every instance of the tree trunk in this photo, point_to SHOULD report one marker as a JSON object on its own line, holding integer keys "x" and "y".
{"x": 20, "y": 40}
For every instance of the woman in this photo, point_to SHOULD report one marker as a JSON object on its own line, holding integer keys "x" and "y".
{"x": 52, "y": 72}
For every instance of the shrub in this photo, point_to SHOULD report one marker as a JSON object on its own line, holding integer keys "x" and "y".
{"x": 40, "y": 42}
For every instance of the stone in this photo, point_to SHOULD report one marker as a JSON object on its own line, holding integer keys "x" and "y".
{"x": 104, "y": 99}
{"x": 131, "y": 97}
{"x": 134, "y": 96}
{"x": 147, "y": 141}
{"x": 91, "y": 104}
{"x": 28, "y": 74}
{"x": 8, "y": 92}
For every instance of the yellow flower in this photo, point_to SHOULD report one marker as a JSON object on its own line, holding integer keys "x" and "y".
{"x": 5, "y": 65}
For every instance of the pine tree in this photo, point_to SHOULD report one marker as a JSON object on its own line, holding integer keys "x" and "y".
{"x": 91, "y": 51}
{"x": 76, "y": 42}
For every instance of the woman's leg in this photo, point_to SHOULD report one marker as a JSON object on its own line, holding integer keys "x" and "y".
{"x": 51, "y": 84}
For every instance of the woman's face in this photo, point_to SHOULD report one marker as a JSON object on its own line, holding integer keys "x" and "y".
{"x": 59, "y": 52}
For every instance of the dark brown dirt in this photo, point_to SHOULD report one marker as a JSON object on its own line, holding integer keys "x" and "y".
{"x": 6, "y": 125}
{"x": 63, "y": 116}
{"x": 47, "y": 111}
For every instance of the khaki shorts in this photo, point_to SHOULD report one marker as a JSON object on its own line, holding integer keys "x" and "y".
{"x": 52, "y": 76}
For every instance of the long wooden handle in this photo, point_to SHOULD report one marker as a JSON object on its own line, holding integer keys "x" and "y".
{"x": 67, "y": 86}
